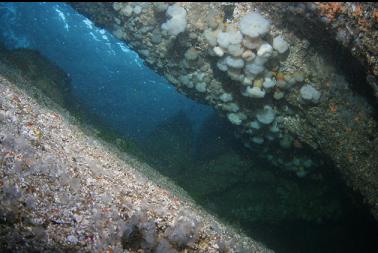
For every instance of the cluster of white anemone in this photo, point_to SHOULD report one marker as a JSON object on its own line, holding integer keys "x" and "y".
{"x": 243, "y": 54}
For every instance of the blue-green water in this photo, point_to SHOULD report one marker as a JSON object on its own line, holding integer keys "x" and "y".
{"x": 187, "y": 141}
{"x": 107, "y": 77}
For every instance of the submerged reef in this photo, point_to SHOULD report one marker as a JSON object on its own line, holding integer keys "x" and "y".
{"x": 27, "y": 159}
{"x": 63, "y": 190}
{"x": 288, "y": 80}
{"x": 280, "y": 88}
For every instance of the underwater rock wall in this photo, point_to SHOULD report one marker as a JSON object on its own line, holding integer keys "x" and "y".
{"x": 353, "y": 26}
{"x": 63, "y": 190}
{"x": 283, "y": 95}
{"x": 238, "y": 190}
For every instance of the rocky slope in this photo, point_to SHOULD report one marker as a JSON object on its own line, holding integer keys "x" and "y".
{"x": 62, "y": 190}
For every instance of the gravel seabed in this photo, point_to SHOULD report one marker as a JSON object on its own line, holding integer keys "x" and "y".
{"x": 63, "y": 190}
